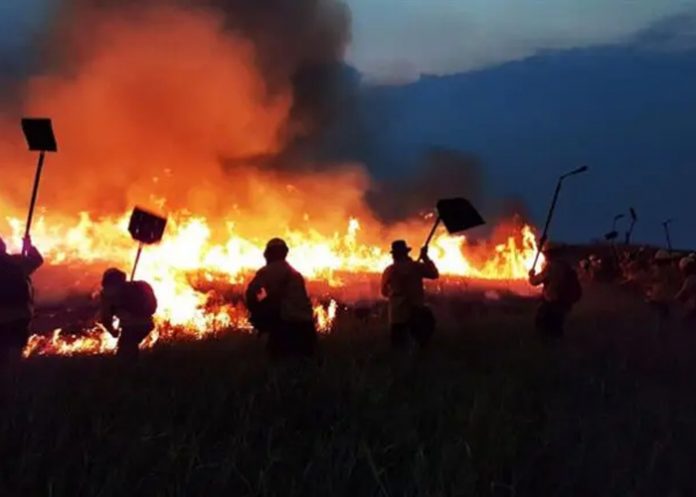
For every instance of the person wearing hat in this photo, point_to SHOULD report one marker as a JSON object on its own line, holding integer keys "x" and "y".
{"x": 279, "y": 305}
{"x": 561, "y": 291}
{"x": 134, "y": 304}
{"x": 16, "y": 299}
{"x": 402, "y": 285}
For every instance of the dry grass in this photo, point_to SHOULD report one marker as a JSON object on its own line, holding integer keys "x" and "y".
{"x": 489, "y": 410}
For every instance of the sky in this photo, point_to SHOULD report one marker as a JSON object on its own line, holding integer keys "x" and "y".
{"x": 400, "y": 39}
{"x": 397, "y": 40}
{"x": 587, "y": 97}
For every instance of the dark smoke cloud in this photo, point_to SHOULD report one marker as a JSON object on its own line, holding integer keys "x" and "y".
{"x": 445, "y": 173}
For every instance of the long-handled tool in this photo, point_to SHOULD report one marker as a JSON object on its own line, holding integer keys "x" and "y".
{"x": 457, "y": 214}
{"x": 552, "y": 208}
{"x": 613, "y": 234}
{"x": 146, "y": 228}
{"x": 38, "y": 133}
{"x": 634, "y": 220}
{"x": 665, "y": 225}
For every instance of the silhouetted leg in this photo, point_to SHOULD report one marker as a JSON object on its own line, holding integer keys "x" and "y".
{"x": 306, "y": 339}
{"x": 399, "y": 335}
{"x": 550, "y": 320}
{"x": 129, "y": 341}
{"x": 423, "y": 326}
{"x": 13, "y": 339}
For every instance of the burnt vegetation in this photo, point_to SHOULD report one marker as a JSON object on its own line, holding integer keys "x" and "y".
{"x": 488, "y": 410}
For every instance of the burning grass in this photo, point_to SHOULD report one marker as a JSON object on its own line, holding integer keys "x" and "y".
{"x": 198, "y": 278}
{"x": 489, "y": 411}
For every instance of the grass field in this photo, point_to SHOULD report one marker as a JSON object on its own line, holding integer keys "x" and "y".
{"x": 489, "y": 410}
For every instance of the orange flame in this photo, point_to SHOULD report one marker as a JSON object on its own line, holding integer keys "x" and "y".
{"x": 187, "y": 259}
{"x": 169, "y": 109}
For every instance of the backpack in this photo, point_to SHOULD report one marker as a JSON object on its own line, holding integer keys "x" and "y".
{"x": 265, "y": 315}
{"x": 139, "y": 299}
{"x": 572, "y": 289}
{"x": 15, "y": 288}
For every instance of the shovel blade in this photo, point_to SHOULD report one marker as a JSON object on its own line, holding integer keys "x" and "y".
{"x": 457, "y": 214}
{"x": 612, "y": 235}
{"x": 39, "y": 134}
{"x": 146, "y": 227}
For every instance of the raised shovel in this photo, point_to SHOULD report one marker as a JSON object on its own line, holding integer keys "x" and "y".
{"x": 634, "y": 220}
{"x": 457, "y": 214}
{"x": 146, "y": 228}
{"x": 552, "y": 208}
{"x": 38, "y": 133}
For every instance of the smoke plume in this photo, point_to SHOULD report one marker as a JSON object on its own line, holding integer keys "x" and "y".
{"x": 444, "y": 173}
{"x": 153, "y": 99}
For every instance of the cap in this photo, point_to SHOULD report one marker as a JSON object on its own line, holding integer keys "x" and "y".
{"x": 113, "y": 276}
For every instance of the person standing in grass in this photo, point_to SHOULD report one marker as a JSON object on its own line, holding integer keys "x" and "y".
{"x": 16, "y": 299}
{"x": 402, "y": 285}
{"x": 134, "y": 304}
{"x": 279, "y": 305}
{"x": 561, "y": 292}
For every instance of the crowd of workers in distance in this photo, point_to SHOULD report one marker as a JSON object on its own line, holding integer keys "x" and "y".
{"x": 666, "y": 281}
{"x": 280, "y": 307}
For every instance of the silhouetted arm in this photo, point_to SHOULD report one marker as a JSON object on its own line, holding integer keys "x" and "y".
{"x": 537, "y": 279}
{"x": 106, "y": 313}
{"x": 429, "y": 269}
{"x": 32, "y": 260}
{"x": 251, "y": 296}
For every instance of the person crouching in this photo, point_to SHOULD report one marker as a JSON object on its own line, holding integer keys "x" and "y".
{"x": 134, "y": 304}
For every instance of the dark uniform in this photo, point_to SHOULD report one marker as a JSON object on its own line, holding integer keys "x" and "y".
{"x": 402, "y": 284}
{"x": 134, "y": 304}
{"x": 561, "y": 291}
{"x": 279, "y": 306}
{"x": 17, "y": 300}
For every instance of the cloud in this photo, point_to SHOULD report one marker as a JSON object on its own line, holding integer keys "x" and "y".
{"x": 397, "y": 40}
{"x": 672, "y": 33}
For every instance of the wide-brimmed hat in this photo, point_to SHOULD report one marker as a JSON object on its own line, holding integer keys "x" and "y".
{"x": 400, "y": 247}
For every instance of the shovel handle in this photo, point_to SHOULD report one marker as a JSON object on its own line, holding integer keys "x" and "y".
{"x": 34, "y": 194}
{"x": 137, "y": 259}
{"x": 432, "y": 231}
